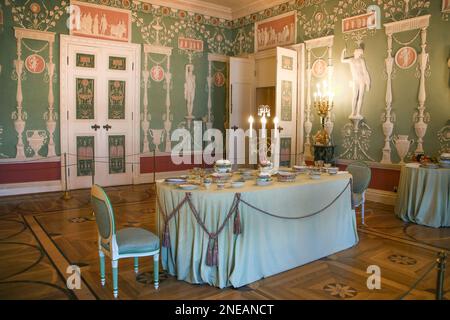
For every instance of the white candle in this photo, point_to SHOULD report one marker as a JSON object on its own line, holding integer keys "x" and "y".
{"x": 263, "y": 126}
{"x": 275, "y": 122}
{"x": 250, "y": 120}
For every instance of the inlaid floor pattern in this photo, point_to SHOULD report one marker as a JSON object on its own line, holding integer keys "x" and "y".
{"x": 41, "y": 235}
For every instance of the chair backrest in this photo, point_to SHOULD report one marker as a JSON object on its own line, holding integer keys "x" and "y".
{"x": 104, "y": 214}
{"x": 361, "y": 176}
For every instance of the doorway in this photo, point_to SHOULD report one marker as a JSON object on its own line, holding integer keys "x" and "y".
{"x": 99, "y": 111}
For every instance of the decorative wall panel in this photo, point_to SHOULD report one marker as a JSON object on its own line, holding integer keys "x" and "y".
{"x": 85, "y": 155}
{"x": 116, "y": 148}
{"x": 85, "y": 98}
{"x": 116, "y": 99}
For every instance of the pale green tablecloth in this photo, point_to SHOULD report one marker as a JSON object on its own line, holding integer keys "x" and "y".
{"x": 423, "y": 196}
{"x": 267, "y": 245}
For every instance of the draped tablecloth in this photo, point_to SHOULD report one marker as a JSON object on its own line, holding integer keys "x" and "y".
{"x": 267, "y": 245}
{"x": 424, "y": 196}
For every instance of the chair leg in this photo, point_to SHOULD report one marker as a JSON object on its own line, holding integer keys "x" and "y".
{"x": 115, "y": 267}
{"x": 136, "y": 265}
{"x": 156, "y": 270}
{"x": 362, "y": 207}
{"x": 102, "y": 267}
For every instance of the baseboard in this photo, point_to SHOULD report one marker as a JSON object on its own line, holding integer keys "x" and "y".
{"x": 381, "y": 196}
{"x": 10, "y": 189}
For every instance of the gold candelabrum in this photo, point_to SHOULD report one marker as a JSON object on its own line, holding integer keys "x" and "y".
{"x": 323, "y": 103}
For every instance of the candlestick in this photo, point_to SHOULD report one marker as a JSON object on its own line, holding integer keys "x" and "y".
{"x": 263, "y": 126}
{"x": 250, "y": 120}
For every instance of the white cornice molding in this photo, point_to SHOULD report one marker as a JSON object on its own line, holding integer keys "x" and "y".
{"x": 319, "y": 42}
{"x": 218, "y": 57}
{"x": 255, "y": 6}
{"x": 197, "y": 6}
{"x": 420, "y": 22}
{"x": 219, "y": 11}
{"x": 149, "y": 48}
{"x": 21, "y": 33}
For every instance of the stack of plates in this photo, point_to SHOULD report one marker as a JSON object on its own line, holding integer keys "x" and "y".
{"x": 444, "y": 160}
{"x": 175, "y": 180}
{"x": 286, "y": 176}
{"x": 430, "y": 165}
{"x": 301, "y": 169}
{"x": 221, "y": 177}
{"x": 237, "y": 183}
{"x": 263, "y": 180}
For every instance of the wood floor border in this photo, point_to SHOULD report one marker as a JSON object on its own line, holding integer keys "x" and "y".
{"x": 57, "y": 258}
{"x": 402, "y": 240}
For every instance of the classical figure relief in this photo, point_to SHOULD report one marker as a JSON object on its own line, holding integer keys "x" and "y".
{"x": 361, "y": 80}
{"x": 189, "y": 89}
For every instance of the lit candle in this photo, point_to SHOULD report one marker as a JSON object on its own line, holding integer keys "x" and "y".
{"x": 275, "y": 122}
{"x": 250, "y": 120}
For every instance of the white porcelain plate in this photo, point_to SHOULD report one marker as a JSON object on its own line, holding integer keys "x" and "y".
{"x": 188, "y": 186}
{"x": 175, "y": 180}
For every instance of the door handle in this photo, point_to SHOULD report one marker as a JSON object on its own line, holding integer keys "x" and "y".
{"x": 107, "y": 127}
{"x": 95, "y": 127}
{"x": 280, "y": 129}
{"x": 234, "y": 127}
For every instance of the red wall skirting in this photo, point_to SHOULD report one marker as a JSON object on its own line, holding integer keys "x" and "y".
{"x": 165, "y": 164}
{"x": 29, "y": 172}
{"x": 382, "y": 179}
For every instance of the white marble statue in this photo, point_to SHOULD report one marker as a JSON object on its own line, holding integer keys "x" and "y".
{"x": 361, "y": 80}
{"x": 189, "y": 89}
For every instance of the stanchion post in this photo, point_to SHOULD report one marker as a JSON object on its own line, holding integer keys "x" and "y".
{"x": 66, "y": 194}
{"x": 441, "y": 262}
{"x": 93, "y": 170}
{"x": 154, "y": 166}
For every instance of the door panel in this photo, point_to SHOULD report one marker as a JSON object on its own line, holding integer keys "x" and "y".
{"x": 242, "y": 87}
{"x": 286, "y": 103}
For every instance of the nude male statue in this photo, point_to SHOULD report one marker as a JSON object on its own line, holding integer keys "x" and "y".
{"x": 189, "y": 88}
{"x": 361, "y": 80}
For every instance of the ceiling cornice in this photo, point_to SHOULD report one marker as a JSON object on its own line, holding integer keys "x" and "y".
{"x": 255, "y": 6}
{"x": 218, "y": 11}
{"x": 197, "y": 6}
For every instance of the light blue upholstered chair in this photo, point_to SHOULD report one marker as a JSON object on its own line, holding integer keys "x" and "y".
{"x": 361, "y": 179}
{"x": 125, "y": 243}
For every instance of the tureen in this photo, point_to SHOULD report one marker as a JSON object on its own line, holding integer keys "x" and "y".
{"x": 222, "y": 166}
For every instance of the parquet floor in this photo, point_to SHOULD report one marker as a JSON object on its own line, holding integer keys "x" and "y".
{"x": 41, "y": 235}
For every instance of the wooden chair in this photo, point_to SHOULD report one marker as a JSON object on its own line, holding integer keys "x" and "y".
{"x": 126, "y": 243}
{"x": 361, "y": 179}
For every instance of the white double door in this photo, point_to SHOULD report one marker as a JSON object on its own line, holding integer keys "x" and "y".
{"x": 101, "y": 93}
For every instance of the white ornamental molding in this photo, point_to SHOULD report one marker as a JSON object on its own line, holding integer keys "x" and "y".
{"x": 310, "y": 45}
{"x": 19, "y": 116}
{"x": 421, "y": 118}
{"x": 158, "y": 136}
{"x": 209, "y": 80}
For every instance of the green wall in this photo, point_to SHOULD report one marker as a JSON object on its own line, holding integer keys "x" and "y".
{"x": 405, "y": 82}
{"x": 175, "y": 22}
{"x": 53, "y": 17}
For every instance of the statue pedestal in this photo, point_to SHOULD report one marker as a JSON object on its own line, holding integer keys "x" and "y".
{"x": 324, "y": 153}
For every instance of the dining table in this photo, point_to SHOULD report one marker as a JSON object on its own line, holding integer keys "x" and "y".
{"x": 230, "y": 237}
{"x": 424, "y": 195}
